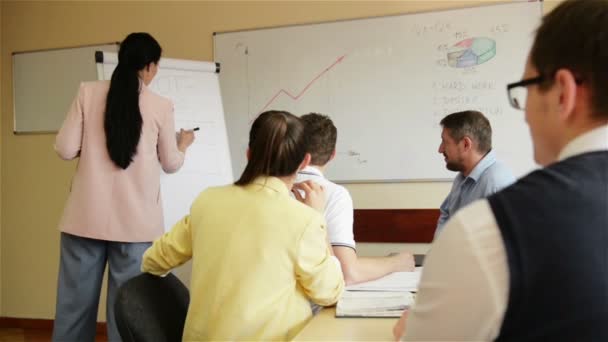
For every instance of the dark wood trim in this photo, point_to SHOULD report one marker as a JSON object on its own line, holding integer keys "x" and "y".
{"x": 36, "y": 323}
{"x": 395, "y": 225}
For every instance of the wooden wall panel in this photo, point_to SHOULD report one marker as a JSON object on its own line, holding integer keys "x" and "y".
{"x": 395, "y": 225}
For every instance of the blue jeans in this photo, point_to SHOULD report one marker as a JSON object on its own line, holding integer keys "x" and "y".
{"x": 82, "y": 263}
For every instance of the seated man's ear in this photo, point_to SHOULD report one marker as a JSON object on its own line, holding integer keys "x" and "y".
{"x": 468, "y": 143}
{"x": 305, "y": 162}
{"x": 569, "y": 93}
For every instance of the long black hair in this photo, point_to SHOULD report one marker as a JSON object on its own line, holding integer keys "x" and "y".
{"x": 123, "y": 119}
{"x": 277, "y": 145}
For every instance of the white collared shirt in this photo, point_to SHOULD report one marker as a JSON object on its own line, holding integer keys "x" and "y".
{"x": 338, "y": 208}
{"x": 464, "y": 289}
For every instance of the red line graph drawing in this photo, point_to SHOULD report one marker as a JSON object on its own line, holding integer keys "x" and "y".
{"x": 303, "y": 91}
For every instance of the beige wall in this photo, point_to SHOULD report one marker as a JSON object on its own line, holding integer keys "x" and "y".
{"x": 35, "y": 182}
{"x": 1, "y": 53}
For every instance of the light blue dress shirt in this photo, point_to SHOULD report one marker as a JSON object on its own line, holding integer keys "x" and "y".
{"x": 488, "y": 177}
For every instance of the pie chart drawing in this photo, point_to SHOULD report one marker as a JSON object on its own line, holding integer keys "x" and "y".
{"x": 471, "y": 52}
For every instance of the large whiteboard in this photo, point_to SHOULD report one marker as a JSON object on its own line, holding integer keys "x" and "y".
{"x": 193, "y": 87}
{"x": 386, "y": 82}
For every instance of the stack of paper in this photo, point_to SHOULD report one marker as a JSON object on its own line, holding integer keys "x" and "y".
{"x": 385, "y": 297}
{"x": 373, "y": 304}
{"x": 398, "y": 281}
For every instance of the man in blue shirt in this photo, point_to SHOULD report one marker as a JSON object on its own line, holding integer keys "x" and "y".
{"x": 466, "y": 144}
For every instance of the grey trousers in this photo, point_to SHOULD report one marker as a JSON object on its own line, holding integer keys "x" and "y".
{"x": 81, "y": 267}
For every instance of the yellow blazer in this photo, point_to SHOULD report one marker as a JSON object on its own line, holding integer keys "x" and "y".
{"x": 258, "y": 255}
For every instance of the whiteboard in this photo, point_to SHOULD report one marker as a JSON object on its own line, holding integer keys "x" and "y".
{"x": 44, "y": 84}
{"x": 386, "y": 82}
{"x": 193, "y": 87}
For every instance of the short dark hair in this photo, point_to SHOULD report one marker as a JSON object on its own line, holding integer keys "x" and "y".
{"x": 574, "y": 36}
{"x": 322, "y": 137}
{"x": 277, "y": 146}
{"x": 472, "y": 124}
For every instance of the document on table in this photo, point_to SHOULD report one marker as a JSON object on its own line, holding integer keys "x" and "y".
{"x": 396, "y": 282}
{"x": 388, "y": 296}
{"x": 373, "y": 304}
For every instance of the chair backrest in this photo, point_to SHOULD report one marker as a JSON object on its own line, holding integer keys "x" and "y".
{"x": 151, "y": 309}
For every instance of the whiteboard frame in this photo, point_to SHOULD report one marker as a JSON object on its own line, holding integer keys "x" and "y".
{"x": 376, "y": 17}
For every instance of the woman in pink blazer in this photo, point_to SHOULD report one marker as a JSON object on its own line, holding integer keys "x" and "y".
{"x": 123, "y": 134}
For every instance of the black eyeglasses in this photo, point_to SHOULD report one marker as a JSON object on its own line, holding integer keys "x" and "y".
{"x": 518, "y": 91}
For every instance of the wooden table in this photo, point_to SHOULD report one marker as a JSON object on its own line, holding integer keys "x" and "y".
{"x": 326, "y": 327}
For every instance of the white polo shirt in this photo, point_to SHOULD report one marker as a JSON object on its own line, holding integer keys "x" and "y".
{"x": 338, "y": 208}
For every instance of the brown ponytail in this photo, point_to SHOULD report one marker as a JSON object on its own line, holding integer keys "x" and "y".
{"x": 277, "y": 146}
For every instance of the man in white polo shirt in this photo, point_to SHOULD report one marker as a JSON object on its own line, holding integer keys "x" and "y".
{"x": 339, "y": 209}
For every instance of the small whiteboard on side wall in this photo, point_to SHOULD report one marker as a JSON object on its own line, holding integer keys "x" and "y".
{"x": 46, "y": 82}
{"x": 386, "y": 82}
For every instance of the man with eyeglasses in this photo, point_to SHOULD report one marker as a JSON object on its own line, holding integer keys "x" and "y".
{"x": 530, "y": 263}
{"x": 466, "y": 144}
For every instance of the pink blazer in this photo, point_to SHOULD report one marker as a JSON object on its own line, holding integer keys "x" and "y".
{"x": 106, "y": 202}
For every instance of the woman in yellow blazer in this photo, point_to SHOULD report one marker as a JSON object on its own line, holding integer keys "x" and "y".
{"x": 259, "y": 255}
{"x": 122, "y": 134}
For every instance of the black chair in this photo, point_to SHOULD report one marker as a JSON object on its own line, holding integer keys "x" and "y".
{"x": 151, "y": 309}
